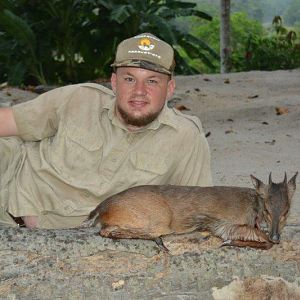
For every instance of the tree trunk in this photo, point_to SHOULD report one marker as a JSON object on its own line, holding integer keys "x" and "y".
{"x": 225, "y": 36}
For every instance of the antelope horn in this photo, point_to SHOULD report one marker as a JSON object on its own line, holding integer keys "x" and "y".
{"x": 270, "y": 178}
{"x": 285, "y": 178}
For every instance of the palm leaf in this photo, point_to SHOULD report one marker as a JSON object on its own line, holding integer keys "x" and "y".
{"x": 107, "y": 4}
{"x": 162, "y": 28}
{"x": 178, "y": 4}
{"x": 206, "y": 60}
{"x": 16, "y": 73}
{"x": 182, "y": 67}
{"x": 196, "y": 41}
{"x": 121, "y": 13}
{"x": 191, "y": 50}
{"x": 6, "y": 4}
{"x": 18, "y": 28}
{"x": 168, "y": 13}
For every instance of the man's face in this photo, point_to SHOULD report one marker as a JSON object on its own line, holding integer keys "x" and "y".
{"x": 140, "y": 95}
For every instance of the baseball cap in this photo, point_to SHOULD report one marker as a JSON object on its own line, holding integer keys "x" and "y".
{"x": 145, "y": 51}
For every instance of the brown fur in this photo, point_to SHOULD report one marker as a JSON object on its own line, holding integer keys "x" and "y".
{"x": 232, "y": 213}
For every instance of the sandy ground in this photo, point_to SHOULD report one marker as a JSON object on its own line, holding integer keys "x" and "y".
{"x": 247, "y": 136}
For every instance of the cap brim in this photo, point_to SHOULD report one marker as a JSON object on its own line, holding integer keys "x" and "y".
{"x": 142, "y": 64}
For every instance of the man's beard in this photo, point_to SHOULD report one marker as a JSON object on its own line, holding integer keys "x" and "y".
{"x": 137, "y": 121}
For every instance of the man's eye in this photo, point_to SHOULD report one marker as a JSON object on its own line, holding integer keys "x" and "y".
{"x": 153, "y": 81}
{"x": 129, "y": 79}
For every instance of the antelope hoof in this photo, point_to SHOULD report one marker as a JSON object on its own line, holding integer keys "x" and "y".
{"x": 109, "y": 232}
{"x": 161, "y": 245}
{"x": 87, "y": 224}
{"x": 227, "y": 243}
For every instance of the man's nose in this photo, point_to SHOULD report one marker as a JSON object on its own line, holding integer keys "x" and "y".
{"x": 140, "y": 88}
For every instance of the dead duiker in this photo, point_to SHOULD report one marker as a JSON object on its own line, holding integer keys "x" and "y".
{"x": 231, "y": 213}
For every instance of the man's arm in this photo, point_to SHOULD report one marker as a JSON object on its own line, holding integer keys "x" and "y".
{"x": 38, "y": 118}
{"x": 8, "y": 126}
{"x": 193, "y": 166}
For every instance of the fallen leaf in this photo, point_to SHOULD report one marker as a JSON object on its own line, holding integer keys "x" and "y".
{"x": 265, "y": 123}
{"x": 228, "y": 131}
{"x": 206, "y": 79}
{"x": 281, "y": 110}
{"x": 270, "y": 142}
{"x": 252, "y": 97}
{"x": 226, "y": 80}
{"x": 197, "y": 89}
{"x": 181, "y": 107}
{"x": 208, "y": 134}
{"x": 230, "y": 120}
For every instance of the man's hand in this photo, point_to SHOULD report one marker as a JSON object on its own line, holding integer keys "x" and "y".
{"x": 8, "y": 126}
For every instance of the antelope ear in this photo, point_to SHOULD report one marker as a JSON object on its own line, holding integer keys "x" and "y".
{"x": 259, "y": 185}
{"x": 291, "y": 185}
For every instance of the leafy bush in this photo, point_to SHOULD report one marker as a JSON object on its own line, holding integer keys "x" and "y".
{"x": 279, "y": 50}
{"x": 271, "y": 53}
{"x": 69, "y": 41}
{"x": 241, "y": 28}
{"x": 252, "y": 46}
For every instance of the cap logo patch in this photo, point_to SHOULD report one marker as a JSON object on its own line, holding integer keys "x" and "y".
{"x": 145, "y": 44}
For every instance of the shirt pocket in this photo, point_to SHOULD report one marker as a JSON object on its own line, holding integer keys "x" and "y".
{"x": 77, "y": 152}
{"x": 150, "y": 163}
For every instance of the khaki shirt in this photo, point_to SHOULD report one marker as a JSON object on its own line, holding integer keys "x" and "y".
{"x": 77, "y": 153}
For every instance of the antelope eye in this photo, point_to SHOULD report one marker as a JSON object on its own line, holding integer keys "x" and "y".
{"x": 268, "y": 215}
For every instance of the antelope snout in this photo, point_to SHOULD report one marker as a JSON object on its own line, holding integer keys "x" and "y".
{"x": 275, "y": 238}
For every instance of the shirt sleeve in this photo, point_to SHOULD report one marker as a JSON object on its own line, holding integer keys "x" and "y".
{"x": 193, "y": 168}
{"x": 39, "y": 118}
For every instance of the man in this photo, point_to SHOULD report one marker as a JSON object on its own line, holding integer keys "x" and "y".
{"x": 69, "y": 149}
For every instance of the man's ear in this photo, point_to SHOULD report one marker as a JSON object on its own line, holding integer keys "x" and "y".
{"x": 113, "y": 82}
{"x": 171, "y": 88}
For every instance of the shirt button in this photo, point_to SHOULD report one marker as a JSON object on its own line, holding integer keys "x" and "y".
{"x": 86, "y": 194}
{"x": 68, "y": 209}
{"x": 130, "y": 138}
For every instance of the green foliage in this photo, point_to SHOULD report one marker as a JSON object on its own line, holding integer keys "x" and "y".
{"x": 277, "y": 51}
{"x": 241, "y": 27}
{"x": 26, "y": 44}
{"x": 69, "y": 41}
{"x": 158, "y": 17}
{"x": 253, "y": 48}
{"x": 271, "y": 54}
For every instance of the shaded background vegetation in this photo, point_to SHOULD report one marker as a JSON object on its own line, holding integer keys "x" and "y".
{"x": 70, "y": 41}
